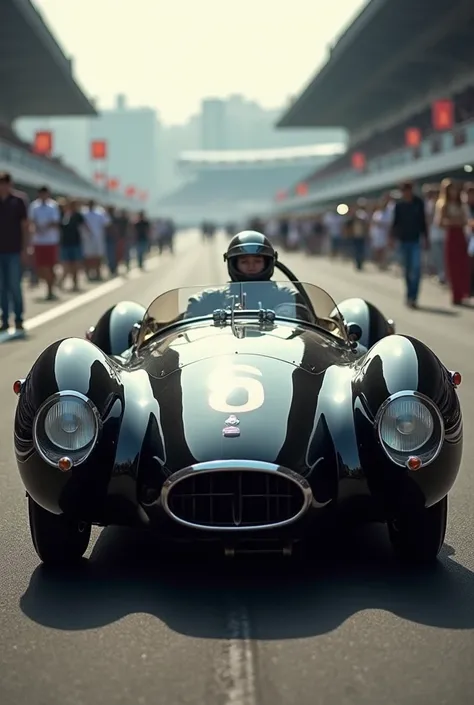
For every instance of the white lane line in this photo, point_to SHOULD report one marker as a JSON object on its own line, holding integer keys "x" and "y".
{"x": 92, "y": 295}
{"x": 240, "y": 688}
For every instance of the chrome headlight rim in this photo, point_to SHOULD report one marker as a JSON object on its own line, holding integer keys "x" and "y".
{"x": 397, "y": 457}
{"x": 77, "y": 456}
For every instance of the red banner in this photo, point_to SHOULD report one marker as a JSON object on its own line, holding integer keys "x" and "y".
{"x": 130, "y": 191}
{"x": 358, "y": 161}
{"x": 302, "y": 189}
{"x": 412, "y": 137}
{"x": 98, "y": 149}
{"x": 442, "y": 112}
{"x": 113, "y": 184}
{"x": 43, "y": 143}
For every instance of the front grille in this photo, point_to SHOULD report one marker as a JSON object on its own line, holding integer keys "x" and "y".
{"x": 235, "y": 499}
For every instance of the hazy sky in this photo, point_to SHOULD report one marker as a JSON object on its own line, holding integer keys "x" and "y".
{"x": 169, "y": 54}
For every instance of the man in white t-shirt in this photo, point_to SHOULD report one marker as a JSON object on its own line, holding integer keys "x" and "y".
{"x": 45, "y": 217}
{"x": 94, "y": 241}
{"x": 334, "y": 227}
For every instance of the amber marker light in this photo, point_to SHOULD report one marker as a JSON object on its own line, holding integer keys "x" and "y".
{"x": 17, "y": 385}
{"x": 65, "y": 464}
{"x": 456, "y": 378}
{"x": 414, "y": 463}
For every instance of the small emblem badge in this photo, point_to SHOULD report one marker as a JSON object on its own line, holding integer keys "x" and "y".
{"x": 232, "y": 420}
{"x": 231, "y": 432}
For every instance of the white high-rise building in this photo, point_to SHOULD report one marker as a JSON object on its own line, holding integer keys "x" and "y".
{"x": 132, "y": 136}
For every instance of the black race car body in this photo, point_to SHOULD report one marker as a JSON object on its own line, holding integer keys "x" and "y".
{"x": 248, "y": 424}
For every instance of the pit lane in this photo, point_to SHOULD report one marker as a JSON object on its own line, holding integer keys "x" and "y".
{"x": 128, "y": 629}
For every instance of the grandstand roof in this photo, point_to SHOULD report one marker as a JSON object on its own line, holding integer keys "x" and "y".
{"x": 392, "y": 53}
{"x": 36, "y": 77}
{"x": 247, "y": 156}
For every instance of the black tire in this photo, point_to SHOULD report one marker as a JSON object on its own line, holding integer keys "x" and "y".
{"x": 419, "y": 538}
{"x": 57, "y": 539}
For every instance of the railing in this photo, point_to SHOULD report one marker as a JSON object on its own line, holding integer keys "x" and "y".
{"x": 16, "y": 156}
{"x": 446, "y": 142}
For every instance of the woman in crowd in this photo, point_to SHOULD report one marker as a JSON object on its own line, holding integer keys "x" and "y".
{"x": 470, "y": 230}
{"x": 451, "y": 215}
{"x": 379, "y": 231}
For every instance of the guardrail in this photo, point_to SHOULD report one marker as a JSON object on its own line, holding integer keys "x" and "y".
{"x": 389, "y": 169}
{"x": 33, "y": 171}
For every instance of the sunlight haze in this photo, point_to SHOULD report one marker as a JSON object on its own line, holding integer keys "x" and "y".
{"x": 170, "y": 56}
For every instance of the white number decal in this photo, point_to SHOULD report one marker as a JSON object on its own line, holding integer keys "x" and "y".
{"x": 225, "y": 379}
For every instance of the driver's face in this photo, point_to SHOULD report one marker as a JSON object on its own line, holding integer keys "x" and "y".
{"x": 251, "y": 264}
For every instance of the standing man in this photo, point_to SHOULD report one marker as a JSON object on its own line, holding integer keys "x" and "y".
{"x": 142, "y": 237}
{"x": 409, "y": 229}
{"x": 14, "y": 242}
{"x": 45, "y": 217}
{"x": 94, "y": 244}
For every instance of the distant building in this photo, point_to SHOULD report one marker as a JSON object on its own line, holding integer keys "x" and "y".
{"x": 132, "y": 136}
{"x": 145, "y": 153}
{"x": 213, "y": 124}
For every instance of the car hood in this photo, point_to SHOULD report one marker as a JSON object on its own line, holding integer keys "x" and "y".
{"x": 310, "y": 349}
{"x": 276, "y": 384}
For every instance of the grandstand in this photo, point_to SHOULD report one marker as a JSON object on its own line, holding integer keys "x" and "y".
{"x": 380, "y": 80}
{"x": 233, "y": 185}
{"x": 28, "y": 53}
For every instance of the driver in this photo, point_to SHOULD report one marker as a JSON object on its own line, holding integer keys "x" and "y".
{"x": 250, "y": 257}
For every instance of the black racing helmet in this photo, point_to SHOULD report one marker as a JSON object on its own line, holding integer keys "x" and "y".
{"x": 250, "y": 242}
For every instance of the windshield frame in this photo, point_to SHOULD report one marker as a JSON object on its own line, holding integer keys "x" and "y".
{"x": 251, "y": 316}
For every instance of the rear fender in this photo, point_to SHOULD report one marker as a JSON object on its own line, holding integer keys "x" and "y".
{"x": 113, "y": 333}
{"x": 372, "y": 322}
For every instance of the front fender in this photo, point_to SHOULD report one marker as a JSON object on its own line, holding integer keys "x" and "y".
{"x": 399, "y": 363}
{"x": 396, "y": 364}
{"x": 77, "y": 365}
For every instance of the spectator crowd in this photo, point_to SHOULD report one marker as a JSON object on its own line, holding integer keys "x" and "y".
{"x": 52, "y": 241}
{"x": 430, "y": 233}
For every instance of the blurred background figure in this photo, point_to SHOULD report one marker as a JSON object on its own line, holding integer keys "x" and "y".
{"x": 142, "y": 234}
{"x": 94, "y": 239}
{"x": 14, "y": 247}
{"x": 45, "y": 217}
{"x": 72, "y": 259}
{"x": 451, "y": 215}
{"x": 380, "y": 225}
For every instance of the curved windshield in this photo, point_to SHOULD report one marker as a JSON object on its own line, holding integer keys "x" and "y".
{"x": 298, "y": 301}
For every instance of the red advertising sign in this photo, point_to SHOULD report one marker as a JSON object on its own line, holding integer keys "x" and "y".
{"x": 43, "y": 143}
{"x": 412, "y": 137}
{"x": 99, "y": 149}
{"x": 443, "y": 114}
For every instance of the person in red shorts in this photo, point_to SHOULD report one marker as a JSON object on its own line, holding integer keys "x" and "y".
{"x": 45, "y": 217}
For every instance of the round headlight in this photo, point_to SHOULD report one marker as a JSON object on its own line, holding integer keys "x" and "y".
{"x": 67, "y": 424}
{"x": 408, "y": 424}
{"x": 70, "y": 424}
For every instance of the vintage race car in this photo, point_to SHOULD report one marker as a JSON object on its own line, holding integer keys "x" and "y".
{"x": 249, "y": 417}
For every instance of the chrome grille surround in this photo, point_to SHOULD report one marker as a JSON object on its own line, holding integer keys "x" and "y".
{"x": 297, "y": 494}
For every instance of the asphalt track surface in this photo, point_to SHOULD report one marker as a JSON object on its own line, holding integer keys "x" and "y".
{"x": 131, "y": 628}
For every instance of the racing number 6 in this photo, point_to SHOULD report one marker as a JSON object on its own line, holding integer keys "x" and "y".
{"x": 225, "y": 380}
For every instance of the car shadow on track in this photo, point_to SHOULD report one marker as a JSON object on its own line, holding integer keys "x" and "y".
{"x": 284, "y": 598}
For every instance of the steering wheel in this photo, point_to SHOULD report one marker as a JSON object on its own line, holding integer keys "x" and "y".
{"x": 298, "y": 286}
